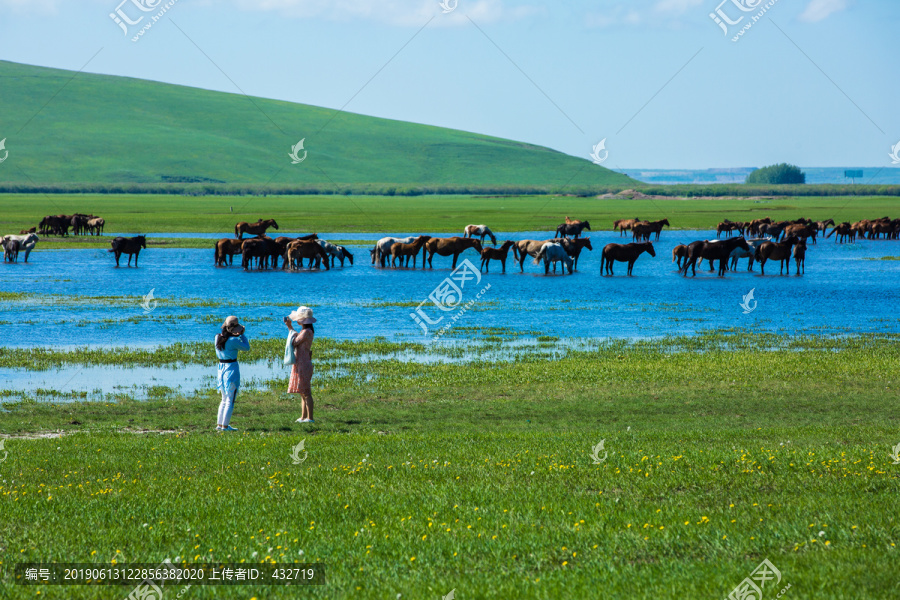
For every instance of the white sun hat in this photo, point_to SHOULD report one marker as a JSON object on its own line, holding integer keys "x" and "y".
{"x": 303, "y": 315}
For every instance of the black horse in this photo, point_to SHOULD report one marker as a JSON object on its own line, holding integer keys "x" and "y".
{"x": 573, "y": 229}
{"x": 129, "y": 246}
{"x": 711, "y": 251}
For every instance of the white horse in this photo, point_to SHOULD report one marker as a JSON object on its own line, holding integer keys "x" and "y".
{"x": 552, "y": 252}
{"x": 382, "y": 250}
{"x": 26, "y": 242}
{"x": 480, "y": 230}
{"x": 335, "y": 251}
{"x": 751, "y": 254}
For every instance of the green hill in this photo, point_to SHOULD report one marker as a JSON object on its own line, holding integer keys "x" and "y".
{"x": 63, "y": 127}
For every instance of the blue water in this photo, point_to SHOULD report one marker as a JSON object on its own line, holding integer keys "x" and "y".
{"x": 840, "y": 293}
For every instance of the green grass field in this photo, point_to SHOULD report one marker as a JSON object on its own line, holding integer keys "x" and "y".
{"x": 448, "y": 214}
{"x": 100, "y": 129}
{"x": 480, "y": 479}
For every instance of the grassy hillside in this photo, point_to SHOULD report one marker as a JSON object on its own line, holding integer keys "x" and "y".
{"x": 100, "y": 128}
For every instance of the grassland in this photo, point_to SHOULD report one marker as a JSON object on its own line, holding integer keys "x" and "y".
{"x": 99, "y": 128}
{"x": 722, "y": 451}
{"x": 449, "y": 214}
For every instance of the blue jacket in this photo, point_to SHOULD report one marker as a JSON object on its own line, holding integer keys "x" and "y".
{"x": 228, "y": 377}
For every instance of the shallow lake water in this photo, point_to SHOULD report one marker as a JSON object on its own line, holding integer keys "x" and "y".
{"x": 843, "y": 291}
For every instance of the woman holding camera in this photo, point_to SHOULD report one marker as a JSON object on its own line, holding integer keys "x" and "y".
{"x": 228, "y": 379}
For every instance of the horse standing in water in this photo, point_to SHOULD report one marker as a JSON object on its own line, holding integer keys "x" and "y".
{"x": 402, "y": 250}
{"x": 25, "y": 242}
{"x": 448, "y": 246}
{"x": 573, "y": 229}
{"x": 780, "y": 251}
{"x": 679, "y": 253}
{"x": 129, "y": 246}
{"x": 553, "y": 252}
{"x": 712, "y": 250}
{"x": 501, "y": 254}
{"x": 623, "y": 253}
{"x": 336, "y": 252}
{"x": 480, "y": 230}
{"x": 226, "y": 248}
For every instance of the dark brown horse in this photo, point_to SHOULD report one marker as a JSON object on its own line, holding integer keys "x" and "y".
{"x": 501, "y": 254}
{"x": 27, "y": 231}
{"x": 711, "y": 251}
{"x": 573, "y": 229}
{"x": 800, "y": 257}
{"x": 258, "y": 228}
{"x": 259, "y": 248}
{"x": 844, "y": 230}
{"x": 226, "y": 248}
{"x": 128, "y": 246}
{"x": 448, "y": 246}
{"x": 573, "y": 248}
{"x": 399, "y": 251}
{"x": 623, "y": 253}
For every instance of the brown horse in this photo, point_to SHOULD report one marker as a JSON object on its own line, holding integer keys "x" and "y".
{"x": 27, "y": 231}
{"x": 226, "y": 248}
{"x": 573, "y": 229}
{"x": 754, "y": 225}
{"x": 800, "y": 256}
{"x": 297, "y": 250}
{"x": 623, "y": 253}
{"x": 130, "y": 246}
{"x": 399, "y": 251}
{"x": 525, "y": 248}
{"x": 711, "y": 251}
{"x": 780, "y": 251}
{"x": 501, "y": 254}
{"x": 258, "y": 228}
{"x": 801, "y": 231}
{"x": 448, "y": 246}
{"x": 679, "y": 253}
{"x": 625, "y": 224}
{"x": 259, "y": 248}
{"x": 644, "y": 229}
{"x": 844, "y": 230}
{"x": 573, "y": 248}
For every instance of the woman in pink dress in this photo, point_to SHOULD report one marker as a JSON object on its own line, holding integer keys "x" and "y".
{"x": 302, "y": 370}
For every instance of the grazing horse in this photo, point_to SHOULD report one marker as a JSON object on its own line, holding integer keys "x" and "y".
{"x": 382, "y": 249}
{"x": 448, "y": 246}
{"x": 711, "y": 251}
{"x": 24, "y": 242}
{"x": 501, "y": 254}
{"x": 401, "y": 250}
{"x": 623, "y": 253}
{"x": 844, "y": 230}
{"x": 727, "y": 227}
{"x": 95, "y": 226}
{"x": 573, "y": 229}
{"x": 130, "y": 246}
{"x": 625, "y": 224}
{"x": 258, "y": 228}
{"x": 823, "y": 225}
{"x": 777, "y": 251}
{"x": 226, "y": 248}
{"x": 741, "y": 253}
{"x": 336, "y": 252}
{"x": 800, "y": 256}
{"x": 553, "y": 252}
{"x": 300, "y": 249}
{"x": 480, "y": 230}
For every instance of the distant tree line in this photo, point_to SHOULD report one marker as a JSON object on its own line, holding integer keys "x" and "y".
{"x": 231, "y": 189}
{"x": 780, "y": 174}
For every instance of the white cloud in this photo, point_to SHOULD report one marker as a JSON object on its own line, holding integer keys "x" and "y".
{"x": 677, "y": 6}
{"x": 817, "y": 10}
{"x": 394, "y": 12}
{"x": 46, "y": 7}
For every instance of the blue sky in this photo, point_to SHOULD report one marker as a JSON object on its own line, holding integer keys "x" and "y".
{"x": 812, "y": 82}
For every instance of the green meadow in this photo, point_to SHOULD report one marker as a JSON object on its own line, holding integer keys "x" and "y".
{"x": 447, "y": 214}
{"x": 718, "y": 451}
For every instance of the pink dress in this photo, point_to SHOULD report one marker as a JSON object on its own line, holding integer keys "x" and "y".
{"x": 302, "y": 370}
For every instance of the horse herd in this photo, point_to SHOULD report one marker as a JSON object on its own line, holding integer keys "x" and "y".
{"x": 780, "y": 241}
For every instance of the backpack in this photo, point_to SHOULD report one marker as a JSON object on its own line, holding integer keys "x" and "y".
{"x": 289, "y": 356}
